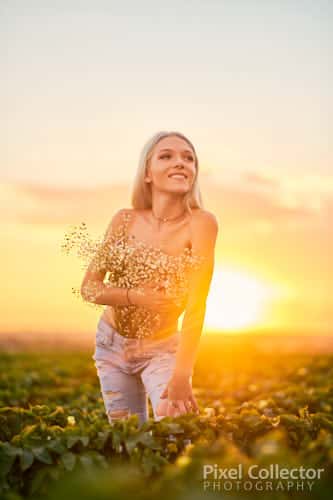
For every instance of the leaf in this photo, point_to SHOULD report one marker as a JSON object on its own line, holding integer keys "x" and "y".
{"x": 68, "y": 459}
{"x": 116, "y": 438}
{"x": 149, "y": 441}
{"x": 289, "y": 420}
{"x": 101, "y": 439}
{"x": 85, "y": 440}
{"x": 12, "y": 451}
{"x": 7, "y": 458}
{"x": 38, "y": 480}
{"x": 26, "y": 460}
{"x": 42, "y": 454}
{"x": 131, "y": 442}
{"x": 72, "y": 440}
{"x": 153, "y": 462}
{"x": 57, "y": 446}
{"x": 252, "y": 421}
{"x": 323, "y": 421}
{"x": 28, "y": 431}
{"x": 304, "y": 413}
{"x": 173, "y": 428}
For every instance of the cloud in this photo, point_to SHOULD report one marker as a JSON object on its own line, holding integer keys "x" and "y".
{"x": 251, "y": 199}
{"x": 254, "y": 179}
{"x": 241, "y": 204}
{"x": 44, "y": 204}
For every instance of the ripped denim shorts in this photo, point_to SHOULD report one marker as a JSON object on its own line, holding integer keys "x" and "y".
{"x": 130, "y": 370}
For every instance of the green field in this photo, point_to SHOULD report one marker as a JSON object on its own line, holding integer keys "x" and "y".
{"x": 257, "y": 408}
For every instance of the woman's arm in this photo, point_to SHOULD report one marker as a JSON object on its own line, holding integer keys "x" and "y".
{"x": 93, "y": 288}
{"x": 204, "y": 234}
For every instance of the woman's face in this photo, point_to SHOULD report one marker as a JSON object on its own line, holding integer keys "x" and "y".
{"x": 172, "y": 166}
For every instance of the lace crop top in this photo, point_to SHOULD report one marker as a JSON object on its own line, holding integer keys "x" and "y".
{"x": 131, "y": 263}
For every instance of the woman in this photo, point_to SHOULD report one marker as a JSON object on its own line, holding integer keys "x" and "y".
{"x": 160, "y": 256}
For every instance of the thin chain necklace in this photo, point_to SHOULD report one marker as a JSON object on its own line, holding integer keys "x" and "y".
{"x": 166, "y": 219}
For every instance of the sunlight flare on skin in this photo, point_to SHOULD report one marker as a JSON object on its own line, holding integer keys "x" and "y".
{"x": 237, "y": 300}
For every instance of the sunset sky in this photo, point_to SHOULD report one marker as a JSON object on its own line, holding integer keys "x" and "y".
{"x": 85, "y": 84}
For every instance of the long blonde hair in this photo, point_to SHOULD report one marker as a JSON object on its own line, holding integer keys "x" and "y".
{"x": 141, "y": 193}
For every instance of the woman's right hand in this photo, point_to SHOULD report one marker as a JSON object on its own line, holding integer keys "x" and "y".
{"x": 156, "y": 300}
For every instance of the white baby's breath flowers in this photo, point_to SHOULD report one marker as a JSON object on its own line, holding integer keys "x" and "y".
{"x": 130, "y": 264}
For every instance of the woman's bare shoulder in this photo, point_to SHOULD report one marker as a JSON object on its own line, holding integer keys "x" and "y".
{"x": 121, "y": 212}
{"x": 134, "y": 211}
{"x": 204, "y": 232}
{"x": 202, "y": 217}
{"x": 117, "y": 220}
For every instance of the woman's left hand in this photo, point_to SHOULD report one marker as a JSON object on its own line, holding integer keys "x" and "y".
{"x": 179, "y": 396}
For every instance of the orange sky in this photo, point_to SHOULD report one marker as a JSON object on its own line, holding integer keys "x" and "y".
{"x": 272, "y": 267}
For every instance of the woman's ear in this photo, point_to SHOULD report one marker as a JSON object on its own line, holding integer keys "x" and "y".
{"x": 147, "y": 174}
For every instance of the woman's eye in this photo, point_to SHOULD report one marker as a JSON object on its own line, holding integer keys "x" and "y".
{"x": 190, "y": 158}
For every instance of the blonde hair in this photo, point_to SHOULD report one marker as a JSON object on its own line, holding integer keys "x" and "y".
{"x": 141, "y": 193}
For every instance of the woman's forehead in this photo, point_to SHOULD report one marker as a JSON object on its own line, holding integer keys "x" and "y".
{"x": 170, "y": 144}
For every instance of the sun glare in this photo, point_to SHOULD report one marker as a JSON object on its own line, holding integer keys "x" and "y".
{"x": 236, "y": 300}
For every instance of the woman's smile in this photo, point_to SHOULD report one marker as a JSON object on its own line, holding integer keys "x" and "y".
{"x": 178, "y": 177}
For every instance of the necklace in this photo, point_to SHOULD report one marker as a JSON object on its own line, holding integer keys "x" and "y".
{"x": 166, "y": 219}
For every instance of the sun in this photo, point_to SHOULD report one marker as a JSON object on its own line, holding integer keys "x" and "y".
{"x": 236, "y": 300}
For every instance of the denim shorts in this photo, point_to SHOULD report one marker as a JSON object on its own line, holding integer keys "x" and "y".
{"x": 131, "y": 369}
